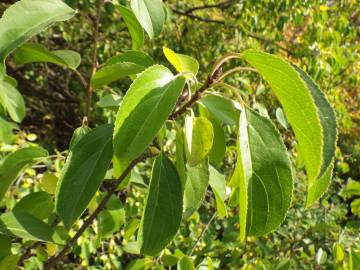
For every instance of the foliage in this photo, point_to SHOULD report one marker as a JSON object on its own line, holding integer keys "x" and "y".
{"x": 162, "y": 156}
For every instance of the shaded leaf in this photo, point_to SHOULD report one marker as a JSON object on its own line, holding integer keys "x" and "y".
{"x": 14, "y": 163}
{"x": 12, "y": 101}
{"x": 195, "y": 188}
{"x": 185, "y": 263}
{"x": 34, "y": 53}
{"x": 217, "y": 184}
{"x": 83, "y": 173}
{"x": 39, "y": 204}
{"x": 163, "y": 208}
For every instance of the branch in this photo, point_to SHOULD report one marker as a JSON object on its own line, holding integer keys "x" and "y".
{"x": 221, "y": 5}
{"x": 94, "y": 57}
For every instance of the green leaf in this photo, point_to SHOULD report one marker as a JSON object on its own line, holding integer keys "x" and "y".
{"x": 78, "y": 134}
{"x": 181, "y": 62}
{"x": 317, "y": 187}
{"x": 38, "y": 204}
{"x": 26, "y": 226}
{"x": 14, "y": 163}
{"x": 145, "y": 107}
{"x": 263, "y": 173}
{"x": 217, "y": 184}
{"x": 111, "y": 73}
{"x": 163, "y": 208}
{"x": 185, "y": 263}
{"x": 49, "y": 182}
{"x": 136, "y": 57}
{"x": 199, "y": 139}
{"x": 195, "y": 188}
{"x": 180, "y": 161}
{"x": 6, "y": 131}
{"x": 126, "y": 64}
{"x": 27, "y": 18}
{"x": 298, "y": 104}
{"x": 35, "y": 53}
{"x": 218, "y": 148}
{"x": 111, "y": 221}
{"x": 222, "y": 108}
{"x": 9, "y": 262}
{"x": 280, "y": 116}
{"x": 12, "y": 101}
{"x": 110, "y": 101}
{"x": 354, "y": 260}
{"x": 135, "y": 29}
{"x": 83, "y": 173}
{"x": 5, "y": 247}
{"x": 150, "y": 14}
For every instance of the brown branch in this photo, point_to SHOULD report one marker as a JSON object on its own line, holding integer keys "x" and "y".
{"x": 94, "y": 57}
{"x": 221, "y": 5}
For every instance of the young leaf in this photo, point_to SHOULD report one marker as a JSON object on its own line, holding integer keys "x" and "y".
{"x": 33, "y": 53}
{"x": 199, "y": 139}
{"x": 150, "y": 14}
{"x": 298, "y": 104}
{"x": 264, "y": 175}
{"x": 163, "y": 208}
{"x": 145, "y": 107}
{"x": 38, "y": 204}
{"x": 83, "y": 173}
{"x": 182, "y": 63}
{"x": 316, "y": 187}
{"x": 185, "y": 263}
{"x": 222, "y": 108}
{"x": 217, "y": 184}
{"x": 135, "y": 29}
{"x": 12, "y": 101}
{"x": 14, "y": 163}
{"x": 195, "y": 188}
{"x": 26, "y": 226}
{"x": 27, "y": 18}
{"x": 280, "y": 116}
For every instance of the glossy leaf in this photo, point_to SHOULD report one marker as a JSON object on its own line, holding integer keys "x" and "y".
{"x": 78, "y": 134}
{"x": 264, "y": 175}
{"x": 195, "y": 188}
{"x": 181, "y": 62}
{"x": 163, "y": 208}
{"x": 26, "y": 226}
{"x": 135, "y": 29}
{"x": 38, "y": 204}
{"x": 136, "y": 57}
{"x": 145, "y": 107}
{"x": 12, "y": 101}
{"x": 222, "y": 108}
{"x": 14, "y": 163}
{"x": 84, "y": 170}
{"x": 217, "y": 184}
{"x": 27, "y": 18}
{"x": 199, "y": 139}
{"x": 34, "y": 53}
{"x": 298, "y": 104}
{"x": 150, "y": 14}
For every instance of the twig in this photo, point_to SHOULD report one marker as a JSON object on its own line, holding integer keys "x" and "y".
{"x": 202, "y": 234}
{"x": 111, "y": 190}
{"x": 221, "y": 5}
{"x": 94, "y": 57}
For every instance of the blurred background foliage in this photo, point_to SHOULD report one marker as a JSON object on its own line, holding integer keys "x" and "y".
{"x": 322, "y": 37}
